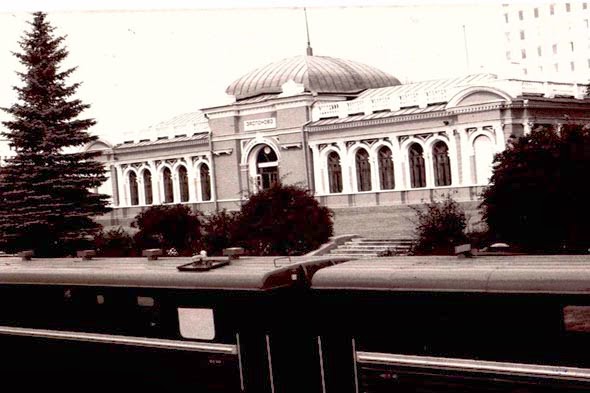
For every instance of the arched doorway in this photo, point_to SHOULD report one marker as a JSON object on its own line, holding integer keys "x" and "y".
{"x": 264, "y": 166}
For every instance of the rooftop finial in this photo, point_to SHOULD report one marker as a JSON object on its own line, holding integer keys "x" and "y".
{"x": 309, "y": 50}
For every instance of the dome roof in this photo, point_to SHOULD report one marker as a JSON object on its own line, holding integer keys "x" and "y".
{"x": 317, "y": 74}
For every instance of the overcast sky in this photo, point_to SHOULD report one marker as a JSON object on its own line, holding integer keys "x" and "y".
{"x": 143, "y": 66}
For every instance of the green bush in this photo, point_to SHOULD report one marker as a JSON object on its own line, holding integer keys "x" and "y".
{"x": 538, "y": 199}
{"x": 174, "y": 228}
{"x": 219, "y": 232}
{"x": 440, "y": 227}
{"x": 115, "y": 242}
{"x": 283, "y": 220}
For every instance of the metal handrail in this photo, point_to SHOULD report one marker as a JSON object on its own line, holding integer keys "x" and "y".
{"x": 120, "y": 340}
{"x": 476, "y": 366}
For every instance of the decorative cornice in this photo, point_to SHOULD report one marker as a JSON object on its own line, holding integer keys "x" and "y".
{"x": 222, "y": 114}
{"x": 160, "y": 146}
{"x": 287, "y": 146}
{"x": 406, "y": 118}
{"x": 370, "y": 122}
{"x": 272, "y": 104}
{"x": 222, "y": 152}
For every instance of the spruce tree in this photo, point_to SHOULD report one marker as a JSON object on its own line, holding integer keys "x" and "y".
{"x": 45, "y": 200}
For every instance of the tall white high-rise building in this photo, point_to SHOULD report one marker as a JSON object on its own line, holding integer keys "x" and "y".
{"x": 548, "y": 41}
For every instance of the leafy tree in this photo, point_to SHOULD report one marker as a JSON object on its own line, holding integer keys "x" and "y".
{"x": 173, "y": 228}
{"x": 440, "y": 227}
{"x": 115, "y": 242}
{"x": 219, "y": 231}
{"x": 283, "y": 220}
{"x": 45, "y": 202}
{"x": 539, "y": 195}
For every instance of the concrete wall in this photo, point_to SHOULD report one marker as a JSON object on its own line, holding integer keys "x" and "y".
{"x": 390, "y": 222}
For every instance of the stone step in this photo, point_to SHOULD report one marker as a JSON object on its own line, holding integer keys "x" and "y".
{"x": 378, "y": 243}
{"x": 357, "y": 256}
{"x": 376, "y": 248}
{"x": 384, "y": 240}
{"x": 357, "y": 252}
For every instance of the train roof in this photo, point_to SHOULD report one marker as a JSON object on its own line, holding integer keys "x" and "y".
{"x": 563, "y": 274}
{"x": 246, "y": 273}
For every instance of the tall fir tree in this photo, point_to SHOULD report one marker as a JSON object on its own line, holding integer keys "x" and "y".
{"x": 45, "y": 200}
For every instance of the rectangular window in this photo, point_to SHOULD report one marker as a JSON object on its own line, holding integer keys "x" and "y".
{"x": 196, "y": 323}
{"x": 145, "y": 301}
{"x": 536, "y": 12}
{"x": 556, "y": 67}
{"x": 576, "y": 319}
{"x": 584, "y": 5}
{"x": 524, "y": 71}
{"x": 508, "y": 55}
{"x": 506, "y": 17}
{"x": 586, "y": 22}
{"x": 554, "y": 49}
{"x": 520, "y": 15}
{"x": 540, "y": 68}
{"x": 568, "y": 7}
{"x": 508, "y": 36}
{"x": 572, "y": 66}
{"x": 572, "y": 45}
{"x": 523, "y": 53}
{"x": 522, "y": 34}
{"x": 539, "y": 51}
{"x": 552, "y": 9}
{"x": 588, "y": 63}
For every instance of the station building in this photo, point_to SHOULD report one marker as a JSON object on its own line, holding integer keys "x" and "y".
{"x": 365, "y": 144}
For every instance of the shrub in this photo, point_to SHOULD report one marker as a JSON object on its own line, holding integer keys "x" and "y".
{"x": 176, "y": 229}
{"x": 219, "y": 232}
{"x": 440, "y": 227}
{"x": 538, "y": 199}
{"x": 115, "y": 242}
{"x": 283, "y": 220}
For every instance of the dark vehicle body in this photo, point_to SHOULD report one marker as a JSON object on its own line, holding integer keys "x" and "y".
{"x": 68, "y": 324}
{"x": 518, "y": 324}
{"x": 441, "y": 324}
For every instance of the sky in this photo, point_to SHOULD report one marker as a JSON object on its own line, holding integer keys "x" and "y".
{"x": 140, "y": 64}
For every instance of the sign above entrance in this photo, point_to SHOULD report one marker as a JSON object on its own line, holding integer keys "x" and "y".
{"x": 260, "y": 124}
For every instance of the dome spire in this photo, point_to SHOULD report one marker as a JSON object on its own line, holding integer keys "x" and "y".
{"x": 309, "y": 50}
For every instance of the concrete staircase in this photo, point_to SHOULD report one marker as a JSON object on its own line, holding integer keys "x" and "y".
{"x": 371, "y": 247}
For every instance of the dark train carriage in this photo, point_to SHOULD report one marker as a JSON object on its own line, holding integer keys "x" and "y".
{"x": 70, "y": 324}
{"x": 442, "y": 324}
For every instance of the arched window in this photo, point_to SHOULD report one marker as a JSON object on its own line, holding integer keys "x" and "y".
{"x": 483, "y": 149}
{"x": 386, "y": 177}
{"x": 205, "y": 182}
{"x": 363, "y": 170}
{"x": 183, "y": 183}
{"x": 168, "y": 188}
{"x": 334, "y": 172}
{"x": 147, "y": 187}
{"x": 417, "y": 168}
{"x": 442, "y": 164}
{"x": 133, "y": 189}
